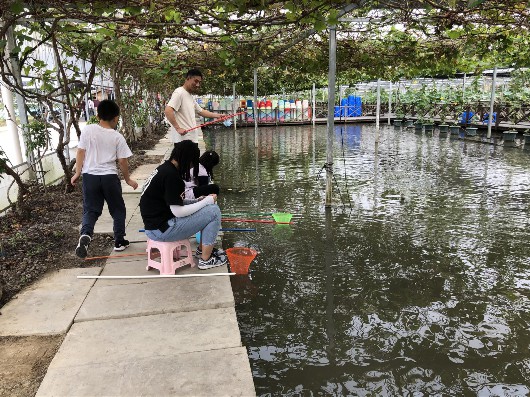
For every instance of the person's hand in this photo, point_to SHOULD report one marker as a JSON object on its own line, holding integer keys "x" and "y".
{"x": 74, "y": 179}
{"x": 132, "y": 183}
{"x": 214, "y": 197}
{"x": 200, "y": 198}
{"x": 181, "y": 131}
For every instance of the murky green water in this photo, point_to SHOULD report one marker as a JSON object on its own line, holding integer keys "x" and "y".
{"x": 417, "y": 282}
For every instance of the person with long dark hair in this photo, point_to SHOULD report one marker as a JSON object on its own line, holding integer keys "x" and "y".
{"x": 169, "y": 216}
{"x": 201, "y": 185}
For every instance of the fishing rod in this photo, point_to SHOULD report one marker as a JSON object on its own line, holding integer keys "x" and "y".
{"x": 114, "y": 256}
{"x": 232, "y": 214}
{"x": 223, "y": 229}
{"x": 253, "y": 220}
{"x": 215, "y": 121}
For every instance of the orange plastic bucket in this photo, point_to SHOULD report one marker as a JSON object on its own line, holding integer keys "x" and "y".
{"x": 240, "y": 259}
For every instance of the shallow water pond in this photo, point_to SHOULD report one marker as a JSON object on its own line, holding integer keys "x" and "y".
{"x": 416, "y": 281}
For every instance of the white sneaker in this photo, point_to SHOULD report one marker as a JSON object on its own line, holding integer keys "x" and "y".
{"x": 214, "y": 261}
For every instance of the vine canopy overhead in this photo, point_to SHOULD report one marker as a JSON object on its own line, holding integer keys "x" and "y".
{"x": 155, "y": 42}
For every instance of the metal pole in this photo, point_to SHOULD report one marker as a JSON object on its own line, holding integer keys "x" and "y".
{"x": 464, "y": 89}
{"x": 329, "y": 286}
{"x": 313, "y": 116}
{"x": 389, "y": 101}
{"x": 492, "y": 101}
{"x": 340, "y": 104}
{"x": 331, "y": 111}
{"x": 255, "y": 107}
{"x": 21, "y": 102}
{"x": 7, "y": 98}
{"x": 378, "y": 108}
{"x": 234, "y": 105}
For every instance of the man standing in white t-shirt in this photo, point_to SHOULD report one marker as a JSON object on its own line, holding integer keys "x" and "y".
{"x": 181, "y": 109}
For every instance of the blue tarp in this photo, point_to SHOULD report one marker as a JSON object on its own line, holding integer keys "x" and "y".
{"x": 487, "y": 115}
{"x": 466, "y": 117}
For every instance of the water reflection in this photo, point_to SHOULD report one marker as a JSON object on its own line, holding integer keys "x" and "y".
{"x": 421, "y": 288}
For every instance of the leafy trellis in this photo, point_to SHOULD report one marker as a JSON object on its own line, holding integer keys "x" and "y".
{"x": 147, "y": 45}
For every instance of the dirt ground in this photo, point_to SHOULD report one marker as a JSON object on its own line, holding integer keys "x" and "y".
{"x": 31, "y": 247}
{"x": 23, "y": 363}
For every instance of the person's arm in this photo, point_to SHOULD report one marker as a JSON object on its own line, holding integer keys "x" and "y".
{"x": 181, "y": 211}
{"x": 79, "y": 160}
{"x": 170, "y": 115}
{"x": 124, "y": 167}
{"x": 211, "y": 115}
{"x": 190, "y": 201}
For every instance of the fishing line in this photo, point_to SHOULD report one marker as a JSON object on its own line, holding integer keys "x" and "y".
{"x": 330, "y": 167}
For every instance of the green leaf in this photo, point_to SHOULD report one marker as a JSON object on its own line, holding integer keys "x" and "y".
{"x": 290, "y": 6}
{"x": 134, "y": 50}
{"x": 453, "y": 34}
{"x": 333, "y": 17}
{"x": 105, "y": 32}
{"x": 319, "y": 25}
{"x": 17, "y": 7}
{"x": 134, "y": 10}
{"x": 173, "y": 15}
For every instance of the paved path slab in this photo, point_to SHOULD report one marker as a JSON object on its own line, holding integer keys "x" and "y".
{"x": 105, "y": 222}
{"x": 130, "y": 339}
{"x": 134, "y": 225}
{"x": 49, "y": 306}
{"x": 161, "y": 151}
{"x": 224, "y": 372}
{"x": 146, "y": 297}
{"x": 140, "y": 175}
{"x": 143, "y": 171}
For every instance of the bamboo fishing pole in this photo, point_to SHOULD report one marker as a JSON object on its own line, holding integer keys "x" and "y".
{"x": 215, "y": 121}
{"x": 114, "y": 256}
{"x": 253, "y": 220}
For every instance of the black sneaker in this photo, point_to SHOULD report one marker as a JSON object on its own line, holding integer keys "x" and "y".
{"x": 82, "y": 246}
{"x": 214, "y": 261}
{"x": 216, "y": 251}
{"x": 121, "y": 245}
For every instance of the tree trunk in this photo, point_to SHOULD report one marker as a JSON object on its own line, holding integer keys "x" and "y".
{"x": 20, "y": 207}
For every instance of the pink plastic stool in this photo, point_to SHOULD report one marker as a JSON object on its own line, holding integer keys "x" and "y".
{"x": 170, "y": 259}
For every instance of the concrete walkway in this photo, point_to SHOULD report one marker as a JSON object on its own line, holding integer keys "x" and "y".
{"x": 135, "y": 337}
